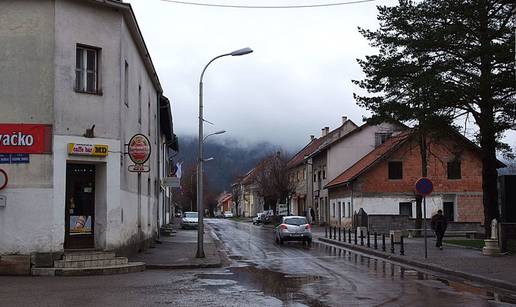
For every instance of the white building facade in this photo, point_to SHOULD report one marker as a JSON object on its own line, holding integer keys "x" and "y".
{"x": 79, "y": 70}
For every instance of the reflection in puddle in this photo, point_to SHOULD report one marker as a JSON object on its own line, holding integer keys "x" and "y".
{"x": 282, "y": 286}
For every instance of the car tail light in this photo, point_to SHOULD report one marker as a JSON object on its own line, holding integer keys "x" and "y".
{"x": 283, "y": 227}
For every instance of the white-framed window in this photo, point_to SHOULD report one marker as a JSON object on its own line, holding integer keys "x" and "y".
{"x": 86, "y": 69}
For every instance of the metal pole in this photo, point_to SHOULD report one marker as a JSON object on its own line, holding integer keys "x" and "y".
{"x": 200, "y": 209}
{"x": 424, "y": 227}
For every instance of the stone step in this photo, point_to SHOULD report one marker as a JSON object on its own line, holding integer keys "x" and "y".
{"x": 130, "y": 267}
{"x": 90, "y": 263}
{"x": 86, "y": 256}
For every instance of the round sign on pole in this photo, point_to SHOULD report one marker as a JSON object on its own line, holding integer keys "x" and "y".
{"x": 139, "y": 149}
{"x": 3, "y": 179}
{"x": 424, "y": 186}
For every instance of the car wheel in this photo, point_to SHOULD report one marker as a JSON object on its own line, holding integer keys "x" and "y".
{"x": 280, "y": 241}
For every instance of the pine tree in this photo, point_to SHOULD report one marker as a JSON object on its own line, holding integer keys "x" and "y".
{"x": 443, "y": 60}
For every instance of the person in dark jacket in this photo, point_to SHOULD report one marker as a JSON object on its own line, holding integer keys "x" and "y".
{"x": 439, "y": 224}
{"x": 312, "y": 213}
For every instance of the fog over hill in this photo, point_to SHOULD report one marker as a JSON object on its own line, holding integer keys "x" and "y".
{"x": 231, "y": 158}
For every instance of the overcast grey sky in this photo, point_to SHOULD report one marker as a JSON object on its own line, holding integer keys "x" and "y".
{"x": 297, "y": 81}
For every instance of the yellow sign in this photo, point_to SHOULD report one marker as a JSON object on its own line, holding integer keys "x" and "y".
{"x": 96, "y": 150}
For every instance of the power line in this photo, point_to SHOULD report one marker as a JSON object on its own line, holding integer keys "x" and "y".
{"x": 268, "y": 7}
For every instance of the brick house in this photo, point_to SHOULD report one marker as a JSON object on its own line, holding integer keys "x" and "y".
{"x": 224, "y": 203}
{"x": 382, "y": 182}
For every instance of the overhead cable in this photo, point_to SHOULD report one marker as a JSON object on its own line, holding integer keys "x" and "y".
{"x": 268, "y": 7}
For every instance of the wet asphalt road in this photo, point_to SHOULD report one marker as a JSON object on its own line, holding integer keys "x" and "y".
{"x": 327, "y": 276}
{"x": 261, "y": 273}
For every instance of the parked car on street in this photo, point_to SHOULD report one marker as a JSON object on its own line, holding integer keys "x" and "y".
{"x": 228, "y": 214}
{"x": 259, "y": 218}
{"x": 190, "y": 220}
{"x": 293, "y": 228}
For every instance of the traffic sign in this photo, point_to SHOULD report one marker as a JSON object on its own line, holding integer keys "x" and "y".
{"x": 3, "y": 179}
{"x": 424, "y": 186}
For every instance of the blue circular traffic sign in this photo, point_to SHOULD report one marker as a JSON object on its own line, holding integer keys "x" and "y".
{"x": 424, "y": 186}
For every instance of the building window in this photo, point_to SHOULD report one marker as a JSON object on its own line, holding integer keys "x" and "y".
{"x": 315, "y": 177}
{"x": 395, "y": 170}
{"x": 139, "y": 104}
{"x": 381, "y": 137}
{"x": 349, "y": 209}
{"x": 86, "y": 69}
{"x": 340, "y": 209}
{"x": 324, "y": 173}
{"x": 126, "y": 84}
{"x": 406, "y": 209}
{"x": 333, "y": 210}
{"x": 454, "y": 171}
{"x": 448, "y": 210}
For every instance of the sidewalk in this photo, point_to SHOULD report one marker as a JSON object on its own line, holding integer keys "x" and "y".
{"x": 178, "y": 250}
{"x": 458, "y": 261}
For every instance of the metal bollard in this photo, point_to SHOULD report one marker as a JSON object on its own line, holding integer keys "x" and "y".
{"x": 335, "y": 233}
{"x": 392, "y": 244}
{"x": 340, "y": 237}
{"x": 402, "y": 247}
{"x": 361, "y": 238}
{"x": 356, "y": 236}
{"x": 349, "y": 235}
{"x": 325, "y": 231}
{"x": 368, "y": 240}
{"x": 375, "y": 240}
{"x": 383, "y": 242}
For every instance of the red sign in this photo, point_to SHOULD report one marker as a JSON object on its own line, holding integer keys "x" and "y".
{"x": 139, "y": 148}
{"x": 25, "y": 138}
{"x": 3, "y": 179}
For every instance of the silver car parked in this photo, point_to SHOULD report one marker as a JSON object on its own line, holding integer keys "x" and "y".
{"x": 293, "y": 228}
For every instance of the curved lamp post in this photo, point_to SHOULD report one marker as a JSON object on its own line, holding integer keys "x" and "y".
{"x": 200, "y": 207}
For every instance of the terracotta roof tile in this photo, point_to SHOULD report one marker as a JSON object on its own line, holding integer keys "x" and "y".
{"x": 371, "y": 158}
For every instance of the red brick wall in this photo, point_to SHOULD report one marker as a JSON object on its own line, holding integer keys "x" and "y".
{"x": 376, "y": 180}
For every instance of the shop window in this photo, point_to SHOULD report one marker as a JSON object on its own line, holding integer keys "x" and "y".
{"x": 454, "y": 170}
{"x": 86, "y": 69}
{"x": 395, "y": 170}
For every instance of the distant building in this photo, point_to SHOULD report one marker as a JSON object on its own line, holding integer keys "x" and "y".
{"x": 77, "y": 77}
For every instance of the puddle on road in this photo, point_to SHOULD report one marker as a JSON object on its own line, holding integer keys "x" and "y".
{"x": 282, "y": 286}
{"x": 386, "y": 268}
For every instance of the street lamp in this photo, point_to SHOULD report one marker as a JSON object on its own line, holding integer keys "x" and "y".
{"x": 200, "y": 208}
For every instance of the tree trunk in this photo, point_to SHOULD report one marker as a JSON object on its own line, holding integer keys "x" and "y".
{"x": 423, "y": 151}
{"x": 486, "y": 122}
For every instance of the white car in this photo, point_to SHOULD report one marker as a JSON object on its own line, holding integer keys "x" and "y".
{"x": 190, "y": 220}
{"x": 293, "y": 228}
{"x": 228, "y": 214}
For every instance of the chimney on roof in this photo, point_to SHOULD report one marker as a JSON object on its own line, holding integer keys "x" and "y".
{"x": 312, "y": 137}
{"x": 344, "y": 119}
{"x": 325, "y": 131}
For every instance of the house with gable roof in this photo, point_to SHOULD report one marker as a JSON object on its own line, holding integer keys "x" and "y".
{"x": 382, "y": 182}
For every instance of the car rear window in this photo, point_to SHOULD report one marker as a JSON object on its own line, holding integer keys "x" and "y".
{"x": 191, "y": 214}
{"x": 295, "y": 221}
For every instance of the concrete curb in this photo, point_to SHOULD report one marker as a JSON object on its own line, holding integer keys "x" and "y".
{"x": 497, "y": 283}
{"x": 183, "y": 266}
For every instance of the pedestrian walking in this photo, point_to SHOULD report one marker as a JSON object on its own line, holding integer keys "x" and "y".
{"x": 439, "y": 224}
{"x": 312, "y": 213}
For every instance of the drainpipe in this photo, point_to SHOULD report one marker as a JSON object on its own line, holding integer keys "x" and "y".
{"x": 158, "y": 142}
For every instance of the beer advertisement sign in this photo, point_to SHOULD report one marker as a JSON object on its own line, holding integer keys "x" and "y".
{"x": 139, "y": 149}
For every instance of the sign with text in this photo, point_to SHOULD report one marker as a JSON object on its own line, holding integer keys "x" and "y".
{"x": 172, "y": 182}
{"x": 139, "y": 149}
{"x": 88, "y": 149}
{"x": 138, "y": 168}
{"x": 25, "y": 138}
{"x": 14, "y": 158}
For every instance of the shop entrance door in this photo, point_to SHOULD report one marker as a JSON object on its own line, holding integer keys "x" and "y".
{"x": 80, "y": 206}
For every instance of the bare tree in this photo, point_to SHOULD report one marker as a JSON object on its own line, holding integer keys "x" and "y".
{"x": 272, "y": 179}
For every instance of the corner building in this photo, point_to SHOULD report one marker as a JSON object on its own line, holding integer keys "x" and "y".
{"x": 77, "y": 76}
